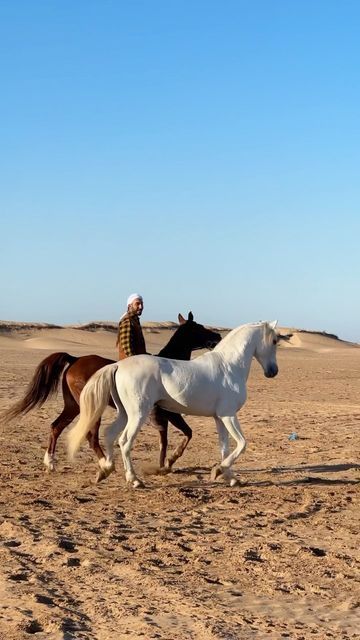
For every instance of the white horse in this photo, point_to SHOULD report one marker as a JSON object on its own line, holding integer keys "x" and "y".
{"x": 213, "y": 384}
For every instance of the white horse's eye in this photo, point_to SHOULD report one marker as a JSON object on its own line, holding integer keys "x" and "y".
{"x": 274, "y": 341}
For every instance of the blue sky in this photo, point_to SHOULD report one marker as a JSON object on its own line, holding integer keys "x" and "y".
{"x": 205, "y": 154}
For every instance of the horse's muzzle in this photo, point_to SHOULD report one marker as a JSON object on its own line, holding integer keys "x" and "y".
{"x": 272, "y": 371}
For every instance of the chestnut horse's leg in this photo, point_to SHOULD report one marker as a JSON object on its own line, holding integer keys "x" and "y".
{"x": 178, "y": 421}
{"x": 74, "y": 385}
{"x": 163, "y": 444}
{"x": 76, "y": 378}
{"x": 159, "y": 420}
{"x": 93, "y": 440}
{"x": 106, "y": 465}
{"x": 162, "y": 418}
{"x": 69, "y": 412}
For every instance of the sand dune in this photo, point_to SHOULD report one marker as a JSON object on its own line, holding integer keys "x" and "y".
{"x": 315, "y": 341}
{"x": 187, "y": 559}
{"x": 101, "y": 336}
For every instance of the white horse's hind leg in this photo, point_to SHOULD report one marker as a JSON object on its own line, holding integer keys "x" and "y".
{"x": 126, "y": 441}
{"x": 233, "y": 427}
{"x": 107, "y": 464}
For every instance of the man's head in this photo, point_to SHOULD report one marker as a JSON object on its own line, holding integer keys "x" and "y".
{"x": 135, "y": 304}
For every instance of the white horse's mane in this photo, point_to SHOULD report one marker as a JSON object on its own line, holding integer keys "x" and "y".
{"x": 267, "y": 331}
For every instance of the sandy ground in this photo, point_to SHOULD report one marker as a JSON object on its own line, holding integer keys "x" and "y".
{"x": 185, "y": 558}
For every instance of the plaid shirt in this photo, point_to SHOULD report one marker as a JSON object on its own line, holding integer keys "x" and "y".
{"x": 130, "y": 338}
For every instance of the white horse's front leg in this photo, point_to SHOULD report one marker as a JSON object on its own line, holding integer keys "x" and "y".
{"x": 217, "y": 470}
{"x": 232, "y": 426}
{"x": 223, "y": 438}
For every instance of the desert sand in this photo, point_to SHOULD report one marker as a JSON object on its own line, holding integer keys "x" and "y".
{"x": 185, "y": 558}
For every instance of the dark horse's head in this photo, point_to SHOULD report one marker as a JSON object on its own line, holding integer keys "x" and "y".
{"x": 190, "y": 335}
{"x": 198, "y": 336}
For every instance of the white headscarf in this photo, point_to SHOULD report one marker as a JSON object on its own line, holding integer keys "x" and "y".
{"x": 132, "y": 297}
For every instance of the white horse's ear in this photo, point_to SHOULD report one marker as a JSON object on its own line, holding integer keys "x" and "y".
{"x": 273, "y": 324}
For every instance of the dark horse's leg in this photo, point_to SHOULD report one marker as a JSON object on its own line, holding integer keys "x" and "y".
{"x": 162, "y": 418}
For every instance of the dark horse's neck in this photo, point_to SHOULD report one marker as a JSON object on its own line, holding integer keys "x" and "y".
{"x": 177, "y": 347}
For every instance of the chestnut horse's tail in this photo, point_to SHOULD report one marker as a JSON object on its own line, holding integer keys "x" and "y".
{"x": 94, "y": 399}
{"x": 44, "y": 384}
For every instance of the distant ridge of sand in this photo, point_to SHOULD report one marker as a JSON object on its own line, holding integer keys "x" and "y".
{"x": 92, "y": 332}
{"x": 9, "y": 326}
{"x": 320, "y": 333}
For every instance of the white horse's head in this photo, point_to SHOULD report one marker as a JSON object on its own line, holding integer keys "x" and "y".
{"x": 265, "y": 352}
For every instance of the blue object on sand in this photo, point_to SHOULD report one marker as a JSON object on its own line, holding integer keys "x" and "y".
{"x": 293, "y": 436}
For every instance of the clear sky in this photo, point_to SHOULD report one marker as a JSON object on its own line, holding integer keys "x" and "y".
{"x": 203, "y": 153}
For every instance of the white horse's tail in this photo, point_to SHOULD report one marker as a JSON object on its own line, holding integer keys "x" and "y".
{"x": 94, "y": 399}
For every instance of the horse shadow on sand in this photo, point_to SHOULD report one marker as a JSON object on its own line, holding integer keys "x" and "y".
{"x": 306, "y": 471}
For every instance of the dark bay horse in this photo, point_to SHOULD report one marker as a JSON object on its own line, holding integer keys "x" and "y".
{"x": 188, "y": 337}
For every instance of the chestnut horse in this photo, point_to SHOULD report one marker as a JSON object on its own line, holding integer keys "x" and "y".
{"x": 188, "y": 337}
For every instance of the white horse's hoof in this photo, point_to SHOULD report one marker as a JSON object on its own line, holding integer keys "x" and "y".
{"x": 215, "y": 472}
{"x": 138, "y": 484}
{"x": 234, "y": 482}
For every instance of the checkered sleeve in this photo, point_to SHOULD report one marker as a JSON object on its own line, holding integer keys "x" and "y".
{"x": 124, "y": 340}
